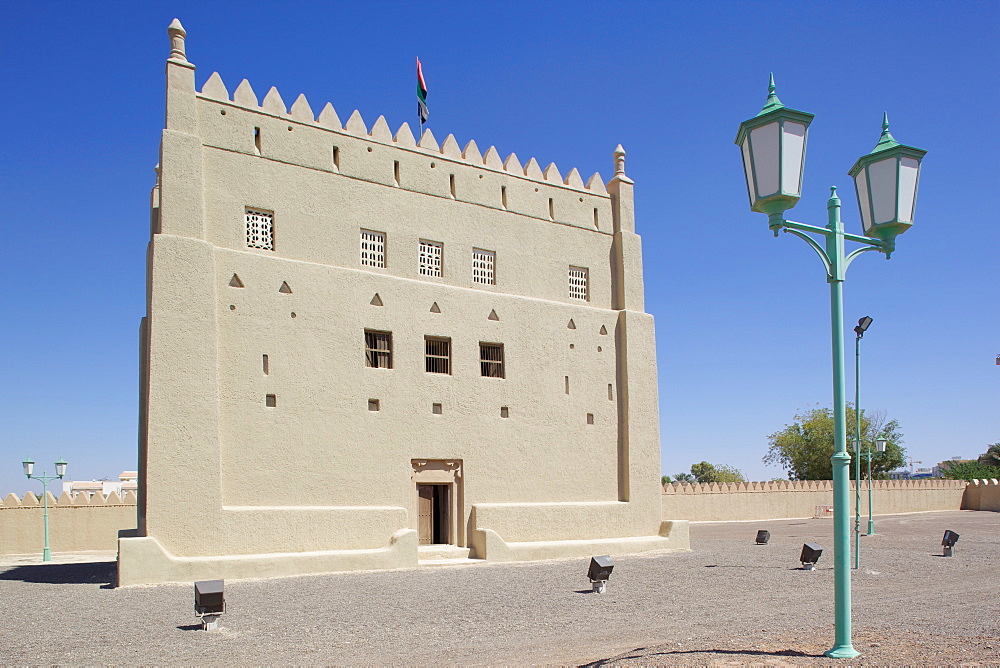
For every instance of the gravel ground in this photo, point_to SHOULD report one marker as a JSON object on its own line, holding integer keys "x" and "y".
{"x": 728, "y": 602}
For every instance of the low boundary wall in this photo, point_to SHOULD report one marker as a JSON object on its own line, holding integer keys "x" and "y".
{"x": 82, "y": 522}
{"x": 76, "y": 523}
{"x": 722, "y": 502}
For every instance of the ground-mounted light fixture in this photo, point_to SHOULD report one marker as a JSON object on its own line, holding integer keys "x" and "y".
{"x": 599, "y": 572}
{"x": 209, "y": 603}
{"x": 948, "y": 542}
{"x": 763, "y": 535}
{"x": 810, "y": 555}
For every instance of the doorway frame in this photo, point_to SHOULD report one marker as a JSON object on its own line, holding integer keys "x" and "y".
{"x": 440, "y": 472}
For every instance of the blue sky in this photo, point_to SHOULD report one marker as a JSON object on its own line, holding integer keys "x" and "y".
{"x": 742, "y": 318}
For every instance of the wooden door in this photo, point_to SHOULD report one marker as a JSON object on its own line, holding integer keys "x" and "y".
{"x": 441, "y": 507}
{"x": 425, "y": 514}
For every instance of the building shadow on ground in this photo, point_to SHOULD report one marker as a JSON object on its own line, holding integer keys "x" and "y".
{"x": 643, "y": 657}
{"x": 103, "y": 573}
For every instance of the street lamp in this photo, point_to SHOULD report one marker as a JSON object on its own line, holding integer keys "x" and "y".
{"x": 29, "y": 468}
{"x": 859, "y": 333}
{"x": 880, "y": 444}
{"x": 773, "y": 145}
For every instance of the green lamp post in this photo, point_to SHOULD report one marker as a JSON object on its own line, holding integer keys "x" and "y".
{"x": 773, "y": 144}
{"x": 29, "y": 468}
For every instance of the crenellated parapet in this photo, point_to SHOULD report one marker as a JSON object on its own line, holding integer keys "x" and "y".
{"x": 239, "y": 121}
{"x": 64, "y": 500}
{"x": 684, "y": 488}
{"x": 328, "y": 118}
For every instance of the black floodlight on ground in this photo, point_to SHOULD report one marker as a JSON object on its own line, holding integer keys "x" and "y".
{"x": 763, "y": 535}
{"x": 209, "y": 602}
{"x": 949, "y": 540}
{"x": 599, "y": 572}
{"x": 810, "y": 555}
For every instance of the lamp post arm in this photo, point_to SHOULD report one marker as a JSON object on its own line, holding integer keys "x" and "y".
{"x": 815, "y": 246}
{"x": 853, "y": 254}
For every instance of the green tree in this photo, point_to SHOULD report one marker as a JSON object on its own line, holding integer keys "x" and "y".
{"x": 804, "y": 447}
{"x": 992, "y": 455}
{"x": 665, "y": 479}
{"x": 705, "y": 472}
{"x": 971, "y": 471}
{"x": 684, "y": 477}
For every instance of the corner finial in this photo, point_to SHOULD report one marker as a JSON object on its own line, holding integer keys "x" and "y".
{"x": 772, "y": 102}
{"x": 177, "y": 35}
{"x": 619, "y": 161}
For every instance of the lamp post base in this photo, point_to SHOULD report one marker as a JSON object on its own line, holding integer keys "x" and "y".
{"x": 46, "y": 554}
{"x": 842, "y": 652}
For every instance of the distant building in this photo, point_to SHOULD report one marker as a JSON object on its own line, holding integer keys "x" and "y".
{"x": 127, "y": 481}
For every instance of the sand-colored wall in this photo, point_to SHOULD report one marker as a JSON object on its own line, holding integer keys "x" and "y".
{"x": 75, "y": 524}
{"x": 773, "y": 500}
{"x": 982, "y": 495}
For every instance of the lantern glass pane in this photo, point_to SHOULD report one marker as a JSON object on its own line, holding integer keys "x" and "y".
{"x": 861, "y": 186}
{"x": 882, "y": 177}
{"x": 748, "y": 167}
{"x": 792, "y": 150}
{"x": 908, "y": 168}
{"x": 764, "y": 149}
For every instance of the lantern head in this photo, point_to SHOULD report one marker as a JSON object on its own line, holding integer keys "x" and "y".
{"x": 886, "y": 184}
{"x": 774, "y": 150}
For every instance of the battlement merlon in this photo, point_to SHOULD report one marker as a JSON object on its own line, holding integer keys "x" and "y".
{"x": 182, "y": 116}
{"x": 191, "y": 128}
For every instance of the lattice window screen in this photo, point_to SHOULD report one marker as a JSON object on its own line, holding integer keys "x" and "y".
{"x": 260, "y": 229}
{"x": 578, "y": 283}
{"x": 482, "y": 266}
{"x": 372, "y": 249}
{"x": 491, "y": 360}
{"x": 430, "y": 258}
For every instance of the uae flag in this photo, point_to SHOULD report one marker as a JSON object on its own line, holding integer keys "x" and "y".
{"x": 421, "y": 94}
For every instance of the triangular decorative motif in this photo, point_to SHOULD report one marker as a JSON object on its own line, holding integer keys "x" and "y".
{"x": 435, "y": 308}
{"x": 604, "y": 330}
{"x": 284, "y": 289}
{"x": 493, "y": 315}
{"x": 571, "y": 325}
{"x": 235, "y": 282}
{"x": 376, "y": 300}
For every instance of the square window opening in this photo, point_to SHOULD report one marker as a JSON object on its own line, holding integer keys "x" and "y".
{"x": 437, "y": 354}
{"x": 378, "y": 349}
{"x": 491, "y": 360}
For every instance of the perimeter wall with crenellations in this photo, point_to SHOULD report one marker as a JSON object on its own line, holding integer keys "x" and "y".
{"x": 76, "y": 524}
{"x": 81, "y": 523}
{"x": 727, "y": 502}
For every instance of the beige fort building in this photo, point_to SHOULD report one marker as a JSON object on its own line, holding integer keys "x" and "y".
{"x": 362, "y": 349}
